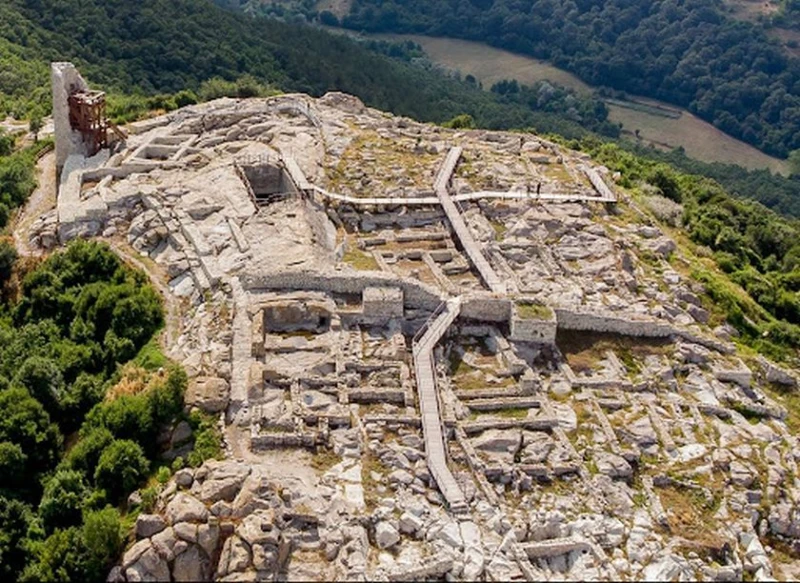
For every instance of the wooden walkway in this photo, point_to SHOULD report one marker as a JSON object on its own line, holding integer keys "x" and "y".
{"x": 435, "y": 452}
{"x": 471, "y": 247}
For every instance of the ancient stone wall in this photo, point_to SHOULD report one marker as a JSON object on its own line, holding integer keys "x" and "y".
{"x": 383, "y": 302}
{"x": 486, "y": 308}
{"x": 578, "y": 320}
{"x": 65, "y": 79}
{"x": 540, "y": 331}
{"x": 415, "y": 294}
{"x": 322, "y": 227}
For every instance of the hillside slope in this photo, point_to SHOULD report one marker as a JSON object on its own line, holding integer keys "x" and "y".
{"x": 691, "y": 54}
{"x": 160, "y": 46}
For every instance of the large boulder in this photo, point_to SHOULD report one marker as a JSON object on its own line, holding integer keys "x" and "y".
{"x": 191, "y": 565}
{"x": 149, "y": 565}
{"x": 210, "y": 394}
{"x": 223, "y": 482}
{"x": 185, "y": 508}
{"x": 612, "y": 465}
{"x": 501, "y": 444}
{"x": 149, "y": 524}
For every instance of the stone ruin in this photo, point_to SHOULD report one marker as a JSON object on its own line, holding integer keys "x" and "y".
{"x": 434, "y": 354}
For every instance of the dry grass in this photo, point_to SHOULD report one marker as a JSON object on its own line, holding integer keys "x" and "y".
{"x": 691, "y": 516}
{"x": 530, "y": 311}
{"x": 134, "y": 380}
{"x": 324, "y": 459}
{"x": 584, "y": 350}
{"x": 700, "y": 139}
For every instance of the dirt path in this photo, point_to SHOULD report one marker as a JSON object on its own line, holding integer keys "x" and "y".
{"x": 158, "y": 277}
{"x": 41, "y": 200}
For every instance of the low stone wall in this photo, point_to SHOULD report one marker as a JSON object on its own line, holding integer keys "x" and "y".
{"x": 486, "y": 308}
{"x": 280, "y": 440}
{"x": 570, "y": 319}
{"x": 385, "y": 302}
{"x": 577, "y": 320}
{"x": 539, "y": 331}
{"x": 415, "y": 294}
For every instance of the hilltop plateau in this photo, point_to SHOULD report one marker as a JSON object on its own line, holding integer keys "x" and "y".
{"x": 436, "y": 353}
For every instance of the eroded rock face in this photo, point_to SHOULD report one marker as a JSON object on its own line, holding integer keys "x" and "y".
{"x": 209, "y": 394}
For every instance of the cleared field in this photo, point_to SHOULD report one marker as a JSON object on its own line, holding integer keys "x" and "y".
{"x": 700, "y": 139}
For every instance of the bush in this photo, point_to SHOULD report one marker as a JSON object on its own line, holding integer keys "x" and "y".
{"x": 103, "y": 540}
{"x": 121, "y": 468}
{"x": 85, "y": 455}
{"x": 208, "y": 440}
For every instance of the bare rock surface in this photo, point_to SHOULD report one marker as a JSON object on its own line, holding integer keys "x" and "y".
{"x": 592, "y": 423}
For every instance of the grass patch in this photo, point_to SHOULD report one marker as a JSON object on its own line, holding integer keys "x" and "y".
{"x": 207, "y": 439}
{"x": 369, "y": 465}
{"x": 583, "y": 350}
{"x": 360, "y": 260}
{"x": 511, "y": 413}
{"x": 150, "y": 356}
{"x": 533, "y": 311}
{"x": 691, "y": 516}
{"x": 789, "y": 398}
{"x": 499, "y": 229}
{"x": 324, "y": 459}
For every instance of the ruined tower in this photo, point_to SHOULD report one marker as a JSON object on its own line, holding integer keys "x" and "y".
{"x": 79, "y": 117}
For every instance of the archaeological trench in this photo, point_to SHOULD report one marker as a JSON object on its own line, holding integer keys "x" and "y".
{"x": 434, "y": 354}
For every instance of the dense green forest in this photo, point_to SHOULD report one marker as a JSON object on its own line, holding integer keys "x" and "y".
{"x": 688, "y": 53}
{"x": 168, "y": 46}
{"x": 79, "y": 431}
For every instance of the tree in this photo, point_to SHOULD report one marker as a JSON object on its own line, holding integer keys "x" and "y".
{"x": 60, "y": 558}
{"x": 12, "y": 466}
{"x": 8, "y": 253}
{"x": 6, "y": 143}
{"x": 463, "y": 121}
{"x": 121, "y": 468}
{"x": 85, "y": 455}
{"x": 43, "y": 379}
{"x": 101, "y": 535}
{"x": 63, "y": 500}
{"x": 794, "y": 162}
{"x": 25, "y": 422}
{"x": 35, "y": 124}
{"x": 15, "y": 518}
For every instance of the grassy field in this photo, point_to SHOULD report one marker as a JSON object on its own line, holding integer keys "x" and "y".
{"x": 701, "y": 140}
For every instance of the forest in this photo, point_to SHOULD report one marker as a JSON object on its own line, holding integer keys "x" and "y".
{"x": 84, "y": 392}
{"x": 156, "y": 47}
{"x": 691, "y": 54}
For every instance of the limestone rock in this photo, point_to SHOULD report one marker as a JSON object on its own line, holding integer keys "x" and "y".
{"x": 149, "y": 566}
{"x": 149, "y": 524}
{"x": 386, "y": 535}
{"x": 613, "y": 466}
{"x": 186, "y": 508}
{"x": 191, "y": 565}
{"x": 410, "y": 523}
{"x": 211, "y": 394}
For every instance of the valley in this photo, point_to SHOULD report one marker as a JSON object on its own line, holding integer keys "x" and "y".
{"x": 700, "y": 139}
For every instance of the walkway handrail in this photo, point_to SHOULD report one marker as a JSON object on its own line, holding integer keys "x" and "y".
{"x": 421, "y": 332}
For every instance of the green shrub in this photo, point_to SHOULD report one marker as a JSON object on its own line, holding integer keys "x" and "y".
{"x": 121, "y": 468}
